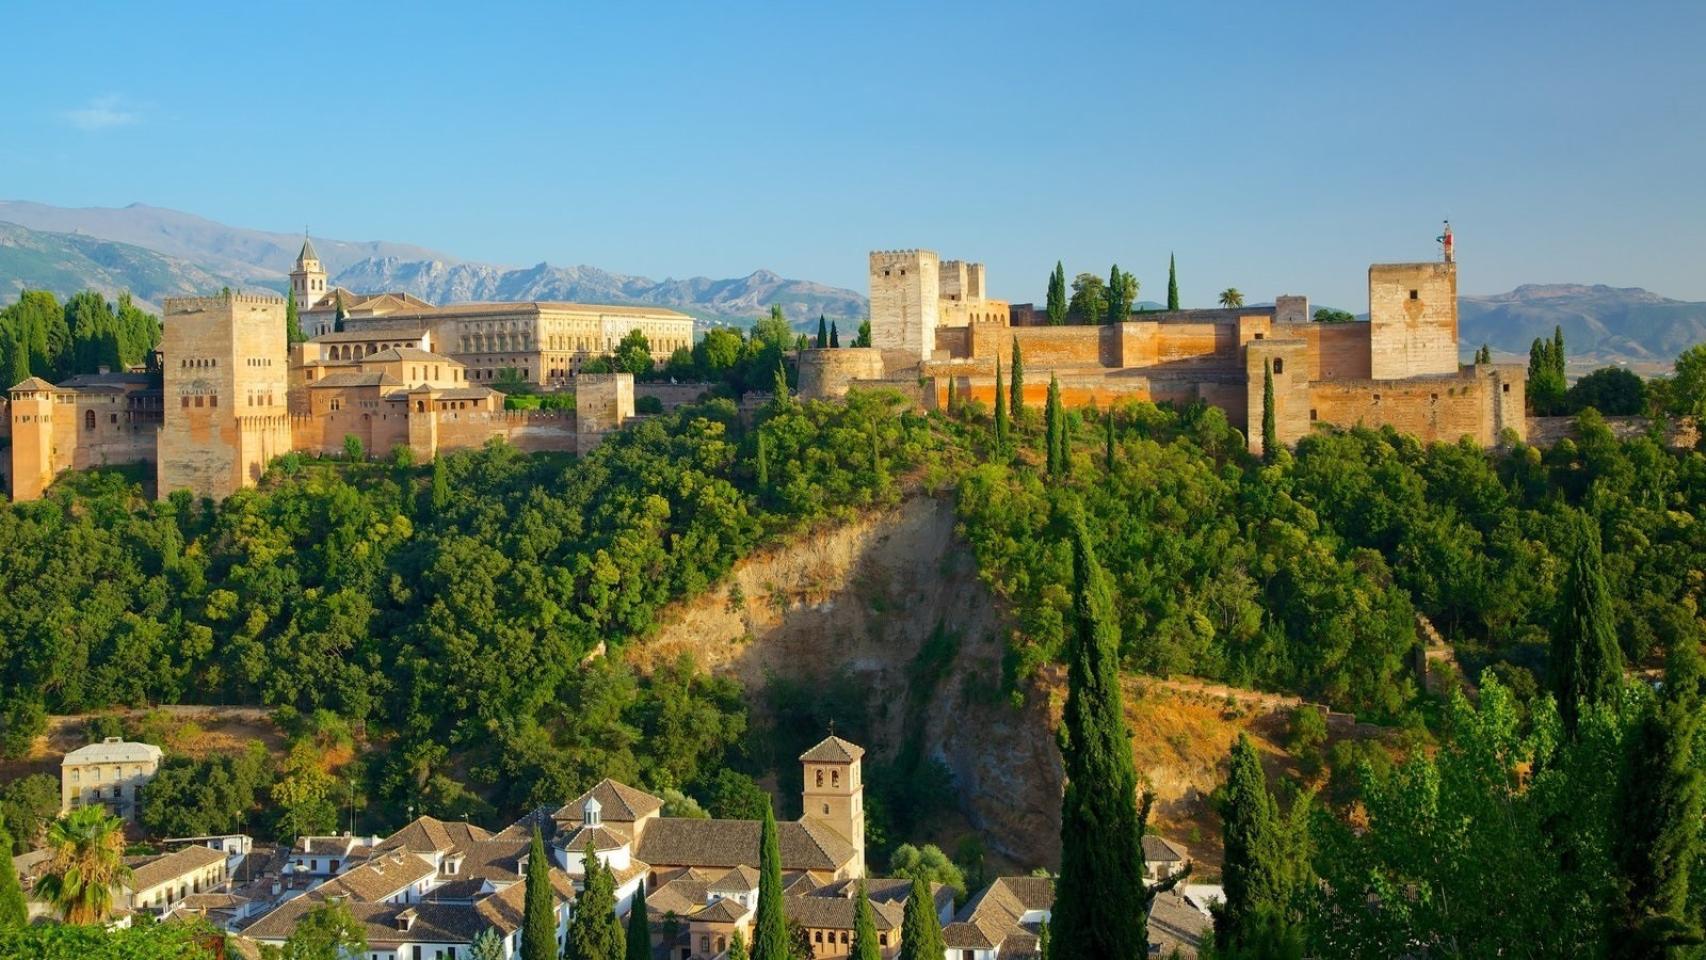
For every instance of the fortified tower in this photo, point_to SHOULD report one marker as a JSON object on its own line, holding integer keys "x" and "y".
{"x": 226, "y": 410}
{"x": 905, "y": 294}
{"x": 834, "y": 795}
{"x": 308, "y": 279}
{"x": 32, "y": 452}
{"x": 1412, "y": 317}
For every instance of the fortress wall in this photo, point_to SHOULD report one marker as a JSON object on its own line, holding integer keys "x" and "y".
{"x": 674, "y": 395}
{"x": 953, "y": 342}
{"x": 5, "y": 420}
{"x": 530, "y": 431}
{"x": 1337, "y": 351}
{"x": 827, "y": 374}
{"x": 1046, "y": 348}
{"x": 378, "y": 430}
{"x": 1432, "y": 408}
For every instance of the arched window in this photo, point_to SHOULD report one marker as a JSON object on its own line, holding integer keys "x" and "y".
{"x": 835, "y": 778}
{"x": 820, "y": 778}
{"x": 89, "y": 419}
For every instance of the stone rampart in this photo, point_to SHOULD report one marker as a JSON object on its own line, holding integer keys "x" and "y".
{"x": 1680, "y": 434}
{"x": 826, "y": 374}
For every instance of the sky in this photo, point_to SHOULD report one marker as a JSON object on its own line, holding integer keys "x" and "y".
{"x": 1274, "y": 147}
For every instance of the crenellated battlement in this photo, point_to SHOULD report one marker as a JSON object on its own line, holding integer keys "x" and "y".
{"x": 179, "y": 305}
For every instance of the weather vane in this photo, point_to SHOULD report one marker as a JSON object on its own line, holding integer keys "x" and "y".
{"x": 1445, "y": 242}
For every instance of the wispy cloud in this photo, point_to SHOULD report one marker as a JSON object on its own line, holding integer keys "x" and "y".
{"x": 103, "y": 113}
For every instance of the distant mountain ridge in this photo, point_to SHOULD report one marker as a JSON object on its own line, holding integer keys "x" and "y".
{"x": 66, "y": 263}
{"x": 193, "y": 249}
{"x": 1602, "y": 324}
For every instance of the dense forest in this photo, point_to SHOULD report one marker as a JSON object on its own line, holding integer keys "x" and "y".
{"x": 41, "y": 337}
{"x": 447, "y": 615}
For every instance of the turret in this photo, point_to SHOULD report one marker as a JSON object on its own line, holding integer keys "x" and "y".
{"x": 834, "y": 794}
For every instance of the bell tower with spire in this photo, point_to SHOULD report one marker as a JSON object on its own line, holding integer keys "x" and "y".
{"x": 308, "y": 279}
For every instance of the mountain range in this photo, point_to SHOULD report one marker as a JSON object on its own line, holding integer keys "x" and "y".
{"x": 155, "y": 252}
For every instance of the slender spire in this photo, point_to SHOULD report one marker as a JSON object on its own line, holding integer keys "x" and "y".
{"x": 307, "y": 249}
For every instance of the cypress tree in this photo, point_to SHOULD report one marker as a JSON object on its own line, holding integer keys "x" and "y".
{"x": 1108, "y": 427}
{"x": 1051, "y": 426}
{"x": 781, "y": 385}
{"x": 440, "y": 485}
{"x": 1100, "y": 905}
{"x": 1016, "y": 402}
{"x": 1270, "y": 430}
{"x": 595, "y": 933}
{"x": 770, "y": 926}
{"x": 1659, "y": 809}
{"x": 822, "y": 331}
{"x": 1587, "y": 663}
{"x": 1057, "y": 295}
{"x": 866, "y": 946}
{"x": 834, "y": 335}
{"x": 14, "y": 912}
{"x": 292, "y": 320}
{"x": 1172, "y": 283}
{"x": 639, "y": 939}
{"x": 763, "y": 462}
{"x": 737, "y": 946}
{"x": 1558, "y": 352}
{"x": 17, "y": 361}
{"x": 1122, "y": 287}
{"x": 539, "y": 911}
{"x": 341, "y": 315}
{"x": 1258, "y": 878}
{"x": 952, "y": 400}
{"x": 1000, "y": 412}
{"x": 920, "y": 928}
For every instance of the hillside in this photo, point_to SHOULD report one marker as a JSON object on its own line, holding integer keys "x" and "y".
{"x": 858, "y": 606}
{"x": 1601, "y": 324}
{"x": 66, "y": 263}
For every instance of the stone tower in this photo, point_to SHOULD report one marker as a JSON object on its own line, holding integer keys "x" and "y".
{"x": 226, "y": 409}
{"x": 835, "y": 792}
{"x": 1412, "y": 317}
{"x": 308, "y": 279}
{"x": 906, "y": 294}
{"x": 33, "y": 403}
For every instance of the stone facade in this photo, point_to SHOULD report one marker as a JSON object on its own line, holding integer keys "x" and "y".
{"x": 827, "y": 374}
{"x": 1400, "y": 369}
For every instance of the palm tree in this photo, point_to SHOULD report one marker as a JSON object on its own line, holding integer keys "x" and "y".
{"x": 85, "y": 863}
{"x": 1230, "y": 297}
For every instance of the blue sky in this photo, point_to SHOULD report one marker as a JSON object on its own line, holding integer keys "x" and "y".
{"x": 1276, "y": 147}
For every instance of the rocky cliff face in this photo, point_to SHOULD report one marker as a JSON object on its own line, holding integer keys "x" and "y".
{"x": 864, "y": 598}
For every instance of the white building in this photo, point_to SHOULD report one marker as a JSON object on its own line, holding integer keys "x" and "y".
{"x": 111, "y": 773}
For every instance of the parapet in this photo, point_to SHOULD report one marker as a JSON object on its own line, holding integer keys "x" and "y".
{"x": 172, "y": 305}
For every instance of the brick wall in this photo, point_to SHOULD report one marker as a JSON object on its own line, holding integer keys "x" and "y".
{"x": 1433, "y": 408}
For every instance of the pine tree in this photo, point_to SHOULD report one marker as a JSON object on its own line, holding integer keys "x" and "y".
{"x": 1270, "y": 430}
{"x": 487, "y": 945}
{"x": 1100, "y": 900}
{"x": 1172, "y": 283}
{"x": 834, "y": 335}
{"x": 770, "y": 926}
{"x": 1659, "y": 811}
{"x": 1016, "y": 399}
{"x": 1051, "y": 426}
{"x": 594, "y": 932}
{"x": 14, "y": 912}
{"x": 920, "y": 928}
{"x": 866, "y": 946}
{"x": 1587, "y": 663}
{"x": 292, "y": 321}
{"x": 822, "y": 331}
{"x": 539, "y": 909}
{"x": 1057, "y": 295}
{"x": 1001, "y": 427}
{"x": 639, "y": 939}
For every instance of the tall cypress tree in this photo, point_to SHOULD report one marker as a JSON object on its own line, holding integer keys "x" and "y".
{"x": 639, "y": 939}
{"x": 1264, "y": 869}
{"x": 292, "y": 320}
{"x": 770, "y": 926}
{"x": 822, "y": 331}
{"x": 1172, "y": 283}
{"x": 1057, "y": 295}
{"x": 1051, "y": 426}
{"x": 781, "y": 385}
{"x": 1000, "y": 413}
{"x": 953, "y": 401}
{"x": 1016, "y": 398}
{"x": 834, "y": 335}
{"x": 763, "y": 457}
{"x": 595, "y": 933}
{"x": 1270, "y": 430}
{"x": 866, "y": 946}
{"x": 737, "y": 946}
{"x": 14, "y": 912}
{"x": 1122, "y": 288}
{"x": 17, "y": 360}
{"x": 920, "y": 928}
{"x": 1100, "y": 903}
{"x": 341, "y": 314}
{"x": 1108, "y": 429}
{"x": 1657, "y": 837}
{"x": 1587, "y": 663}
{"x": 539, "y": 911}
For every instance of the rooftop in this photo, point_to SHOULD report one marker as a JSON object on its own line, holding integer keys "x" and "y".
{"x": 833, "y": 749}
{"x": 113, "y": 750}
{"x": 173, "y": 865}
{"x": 675, "y": 842}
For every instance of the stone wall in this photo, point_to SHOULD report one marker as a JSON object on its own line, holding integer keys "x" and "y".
{"x": 1289, "y": 362}
{"x": 1680, "y": 434}
{"x": 603, "y": 402}
{"x": 826, "y": 374}
{"x": 905, "y": 292}
{"x": 673, "y": 395}
{"x": 1472, "y": 404}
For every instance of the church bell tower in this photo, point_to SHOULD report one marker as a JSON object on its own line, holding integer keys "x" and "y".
{"x": 835, "y": 792}
{"x": 308, "y": 279}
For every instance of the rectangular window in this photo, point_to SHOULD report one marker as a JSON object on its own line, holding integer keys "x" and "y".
{"x": 1413, "y": 294}
{"x": 186, "y": 401}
